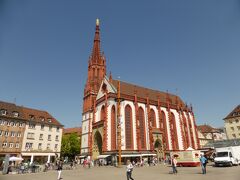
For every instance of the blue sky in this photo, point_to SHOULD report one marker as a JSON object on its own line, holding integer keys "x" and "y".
{"x": 187, "y": 47}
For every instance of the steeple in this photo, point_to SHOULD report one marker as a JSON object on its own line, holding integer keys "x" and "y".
{"x": 96, "y": 71}
{"x": 96, "y": 51}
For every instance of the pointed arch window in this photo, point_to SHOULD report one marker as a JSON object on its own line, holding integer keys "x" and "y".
{"x": 103, "y": 114}
{"x": 173, "y": 129}
{"x": 142, "y": 128}
{"x": 128, "y": 127}
{"x": 152, "y": 118}
{"x": 113, "y": 128}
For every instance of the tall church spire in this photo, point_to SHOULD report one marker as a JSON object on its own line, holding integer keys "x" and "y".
{"x": 96, "y": 71}
{"x": 96, "y": 51}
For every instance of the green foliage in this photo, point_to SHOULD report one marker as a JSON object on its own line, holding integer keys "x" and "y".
{"x": 70, "y": 145}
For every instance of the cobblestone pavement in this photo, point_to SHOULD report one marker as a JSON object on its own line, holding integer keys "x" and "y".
{"x": 160, "y": 172}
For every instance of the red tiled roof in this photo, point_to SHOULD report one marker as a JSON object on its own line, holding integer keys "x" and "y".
{"x": 25, "y": 113}
{"x": 234, "y": 113}
{"x": 207, "y": 129}
{"x": 77, "y": 130}
{"x": 142, "y": 92}
{"x": 10, "y": 108}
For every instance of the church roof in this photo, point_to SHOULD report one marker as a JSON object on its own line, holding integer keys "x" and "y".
{"x": 142, "y": 92}
{"x": 234, "y": 113}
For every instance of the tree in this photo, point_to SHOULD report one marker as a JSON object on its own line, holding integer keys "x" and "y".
{"x": 70, "y": 145}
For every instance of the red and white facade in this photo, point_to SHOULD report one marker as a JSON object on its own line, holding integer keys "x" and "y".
{"x": 149, "y": 120}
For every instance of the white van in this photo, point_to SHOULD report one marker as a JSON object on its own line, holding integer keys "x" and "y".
{"x": 227, "y": 156}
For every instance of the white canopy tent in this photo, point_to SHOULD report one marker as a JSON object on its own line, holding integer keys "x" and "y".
{"x": 13, "y": 158}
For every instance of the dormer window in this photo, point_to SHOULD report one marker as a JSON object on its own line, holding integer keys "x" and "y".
{"x": 3, "y": 112}
{"x": 49, "y": 120}
{"x": 31, "y": 117}
{"x": 42, "y": 119}
{"x": 15, "y": 114}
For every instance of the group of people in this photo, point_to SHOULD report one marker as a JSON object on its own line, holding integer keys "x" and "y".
{"x": 203, "y": 162}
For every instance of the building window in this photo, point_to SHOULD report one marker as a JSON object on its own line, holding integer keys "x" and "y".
{"x": 3, "y": 112}
{"x": 234, "y": 135}
{"x": 128, "y": 127}
{"x": 49, "y": 120}
{"x": 238, "y": 127}
{"x": 42, "y": 127}
{"x": 48, "y": 146}
{"x": 4, "y": 145}
{"x": 32, "y": 126}
{"x": 2, "y": 122}
{"x": 113, "y": 128}
{"x": 49, "y": 137}
{"x": 17, "y": 145}
{"x": 10, "y": 145}
{"x": 1, "y": 132}
{"x": 31, "y": 117}
{"x": 41, "y": 137}
{"x": 58, "y": 129}
{"x": 42, "y": 119}
{"x": 30, "y": 136}
{"x": 6, "y": 133}
{"x": 237, "y": 121}
{"x": 28, "y": 145}
{"x": 56, "y": 146}
{"x": 15, "y": 114}
{"x": 232, "y": 128}
{"x": 20, "y": 124}
{"x": 50, "y": 128}
{"x": 19, "y": 134}
{"x": 57, "y": 138}
{"x": 13, "y": 134}
{"x": 152, "y": 119}
{"x": 8, "y": 123}
{"x": 39, "y": 146}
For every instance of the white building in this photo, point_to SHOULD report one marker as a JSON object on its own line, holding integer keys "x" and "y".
{"x": 42, "y": 136}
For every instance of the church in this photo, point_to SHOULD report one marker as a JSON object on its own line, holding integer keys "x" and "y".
{"x": 127, "y": 120}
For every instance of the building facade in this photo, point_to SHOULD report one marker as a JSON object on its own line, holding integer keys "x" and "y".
{"x": 12, "y": 128}
{"x": 37, "y": 133}
{"x": 232, "y": 123}
{"x": 208, "y": 134}
{"x": 137, "y": 120}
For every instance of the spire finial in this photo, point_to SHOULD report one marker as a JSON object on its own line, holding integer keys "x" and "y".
{"x": 97, "y": 22}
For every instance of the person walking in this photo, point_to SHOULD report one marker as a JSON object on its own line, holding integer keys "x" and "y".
{"x": 203, "y": 162}
{"x": 174, "y": 165}
{"x": 59, "y": 169}
{"x": 129, "y": 170}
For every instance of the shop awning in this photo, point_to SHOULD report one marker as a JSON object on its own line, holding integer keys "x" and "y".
{"x": 137, "y": 155}
{"x": 149, "y": 154}
{"x": 103, "y": 156}
{"x": 130, "y": 155}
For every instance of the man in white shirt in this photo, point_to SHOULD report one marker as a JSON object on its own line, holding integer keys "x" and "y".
{"x": 129, "y": 170}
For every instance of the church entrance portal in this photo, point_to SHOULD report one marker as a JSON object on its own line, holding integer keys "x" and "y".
{"x": 159, "y": 149}
{"x": 97, "y": 146}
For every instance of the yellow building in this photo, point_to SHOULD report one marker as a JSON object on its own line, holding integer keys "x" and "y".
{"x": 232, "y": 124}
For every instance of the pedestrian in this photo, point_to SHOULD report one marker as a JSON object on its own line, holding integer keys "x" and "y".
{"x": 59, "y": 169}
{"x": 129, "y": 170}
{"x": 203, "y": 162}
{"x": 174, "y": 165}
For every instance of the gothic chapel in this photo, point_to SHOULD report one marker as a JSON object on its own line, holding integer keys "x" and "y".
{"x": 149, "y": 122}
